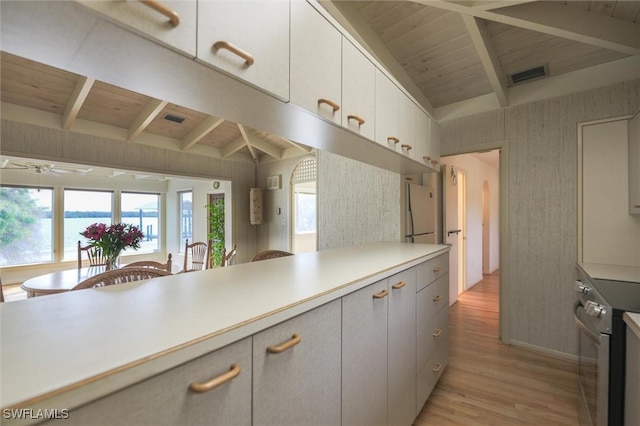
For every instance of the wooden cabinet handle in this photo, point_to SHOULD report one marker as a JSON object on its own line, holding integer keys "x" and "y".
{"x": 434, "y": 162}
{"x": 437, "y": 298}
{"x": 216, "y": 381}
{"x": 437, "y": 368}
{"x": 437, "y": 333}
{"x": 383, "y": 293}
{"x": 248, "y": 59}
{"x": 393, "y": 139}
{"x": 398, "y": 285}
{"x": 332, "y": 104}
{"x": 426, "y": 158}
{"x": 173, "y": 16}
{"x": 295, "y": 339}
{"x": 437, "y": 269}
{"x": 360, "y": 120}
{"x": 406, "y": 146}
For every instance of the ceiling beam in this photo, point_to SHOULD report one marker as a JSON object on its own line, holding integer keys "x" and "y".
{"x": 79, "y": 95}
{"x": 491, "y": 5}
{"x": 559, "y": 20}
{"x": 252, "y": 151}
{"x": 203, "y": 129}
{"x": 296, "y": 145}
{"x": 482, "y": 42}
{"x": 145, "y": 118}
{"x": 232, "y": 147}
{"x": 265, "y": 147}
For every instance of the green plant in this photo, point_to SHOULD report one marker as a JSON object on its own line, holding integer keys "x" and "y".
{"x": 216, "y": 229}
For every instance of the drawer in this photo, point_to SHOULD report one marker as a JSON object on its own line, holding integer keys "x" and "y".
{"x": 432, "y": 334}
{"x": 432, "y": 269}
{"x": 166, "y": 399}
{"x": 408, "y": 277}
{"x": 431, "y": 299}
{"x": 429, "y": 375}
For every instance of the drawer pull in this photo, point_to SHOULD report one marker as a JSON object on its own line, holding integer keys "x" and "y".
{"x": 360, "y": 120}
{"x": 437, "y": 298}
{"x": 434, "y": 162}
{"x": 382, "y": 294}
{"x": 248, "y": 59}
{"x": 216, "y": 381}
{"x": 398, "y": 285}
{"x": 295, "y": 339}
{"x": 332, "y": 104}
{"x": 437, "y": 368}
{"x": 173, "y": 16}
{"x": 437, "y": 333}
{"x": 393, "y": 139}
{"x": 406, "y": 146}
{"x": 437, "y": 269}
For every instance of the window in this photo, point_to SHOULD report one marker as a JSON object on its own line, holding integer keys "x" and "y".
{"x": 186, "y": 217}
{"x": 303, "y": 181}
{"x": 26, "y": 229}
{"x": 81, "y": 209}
{"x": 305, "y": 211}
{"x": 141, "y": 210}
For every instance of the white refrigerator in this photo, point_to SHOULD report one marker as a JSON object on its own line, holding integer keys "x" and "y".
{"x": 420, "y": 214}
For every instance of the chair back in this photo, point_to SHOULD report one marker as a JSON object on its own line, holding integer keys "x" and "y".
{"x": 199, "y": 254}
{"x": 270, "y": 254}
{"x": 229, "y": 259}
{"x": 151, "y": 264}
{"x": 120, "y": 276}
{"x": 93, "y": 254}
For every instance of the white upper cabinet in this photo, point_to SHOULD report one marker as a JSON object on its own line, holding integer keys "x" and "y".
{"x": 170, "y": 22}
{"x": 634, "y": 164}
{"x": 248, "y": 40}
{"x": 407, "y": 125}
{"x": 358, "y": 91}
{"x": 434, "y": 144}
{"x": 423, "y": 139}
{"x": 316, "y": 57}
{"x": 386, "y": 112}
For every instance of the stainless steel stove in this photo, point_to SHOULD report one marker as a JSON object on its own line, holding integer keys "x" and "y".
{"x": 600, "y": 305}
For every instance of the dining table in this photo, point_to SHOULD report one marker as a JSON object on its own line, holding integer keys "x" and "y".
{"x": 61, "y": 281}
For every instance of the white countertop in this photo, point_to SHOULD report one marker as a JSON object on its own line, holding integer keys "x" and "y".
{"x": 633, "y": 322}
{"x": 612, "y": 272}
{"x": 64, "y": 349}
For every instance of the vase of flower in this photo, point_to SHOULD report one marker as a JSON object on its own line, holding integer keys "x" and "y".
{"x": 112, "y": 240}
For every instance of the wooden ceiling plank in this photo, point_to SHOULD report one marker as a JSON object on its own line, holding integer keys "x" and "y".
{"x": 145, "y": 118}
{"x": 76, "y": 100}
{"x": 488, "y": 57}
{"x": 492, "y": 5}
{"x": 207, "y": 125}
{"x": 245, "y": 137}
{"x": 560, "y": 21}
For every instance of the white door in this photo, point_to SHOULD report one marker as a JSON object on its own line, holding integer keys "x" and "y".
{"x": 452, "y": 228}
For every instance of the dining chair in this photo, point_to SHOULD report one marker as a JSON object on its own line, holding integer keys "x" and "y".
{"x": 229, "y": 259}
{"x": 152, "y": 264}
{"x": 120, "y": 276}
{"x": 200, "y": 255}
{"x": 93, "y": 254}
{"x": 270, "y": 254}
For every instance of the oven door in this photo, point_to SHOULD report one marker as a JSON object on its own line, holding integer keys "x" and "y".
{"x": 593, "y": 370}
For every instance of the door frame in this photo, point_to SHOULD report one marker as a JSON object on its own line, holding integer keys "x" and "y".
{"x": 505, "y": 264}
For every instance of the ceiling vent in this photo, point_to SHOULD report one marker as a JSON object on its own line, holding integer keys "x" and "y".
{"x": 530, "y": 74}
{"x": 174, "y": 118}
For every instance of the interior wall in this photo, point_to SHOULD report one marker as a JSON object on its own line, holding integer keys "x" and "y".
{"x": 477, "y": 172}
{"x": 275, "y": 231}
{"x": 542, "y": 214}
{"x": 43, "y": 143}
{"x": 357, "y": 203}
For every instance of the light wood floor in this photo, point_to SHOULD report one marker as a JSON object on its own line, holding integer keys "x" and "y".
{"x": 490, "y": 383}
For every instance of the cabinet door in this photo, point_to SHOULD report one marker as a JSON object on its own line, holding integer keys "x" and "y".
{"x": 316, "y": 59}
{"x": 423, "y": 142}
{"x": 174, "y": 26}
{"x": 358, "y": 91}
{"x": 407, "y": 125}
{"x": 166, "y": 399}
{"x": 298, "y": 382}
{"x": 434, "y": 145}
{"x": 387, "y": 95}
{"x": 402, "y": 348}
{"x": 248, "y": 40}
{"x": 634, "y": 164}
{"x": 364, "y": 356}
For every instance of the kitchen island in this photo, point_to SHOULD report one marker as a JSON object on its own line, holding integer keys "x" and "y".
{"x": 85, "y": 348}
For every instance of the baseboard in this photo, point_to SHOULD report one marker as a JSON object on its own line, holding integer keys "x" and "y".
{"x": 545, "y": 351}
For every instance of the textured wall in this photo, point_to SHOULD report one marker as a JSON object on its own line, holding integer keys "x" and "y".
{"x": 357, "y": 203}
{"x": 541, "y": 141}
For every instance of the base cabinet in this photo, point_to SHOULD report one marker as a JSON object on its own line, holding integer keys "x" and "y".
{"x": 167, "y": 399}
{"x": 296, "y": 370}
